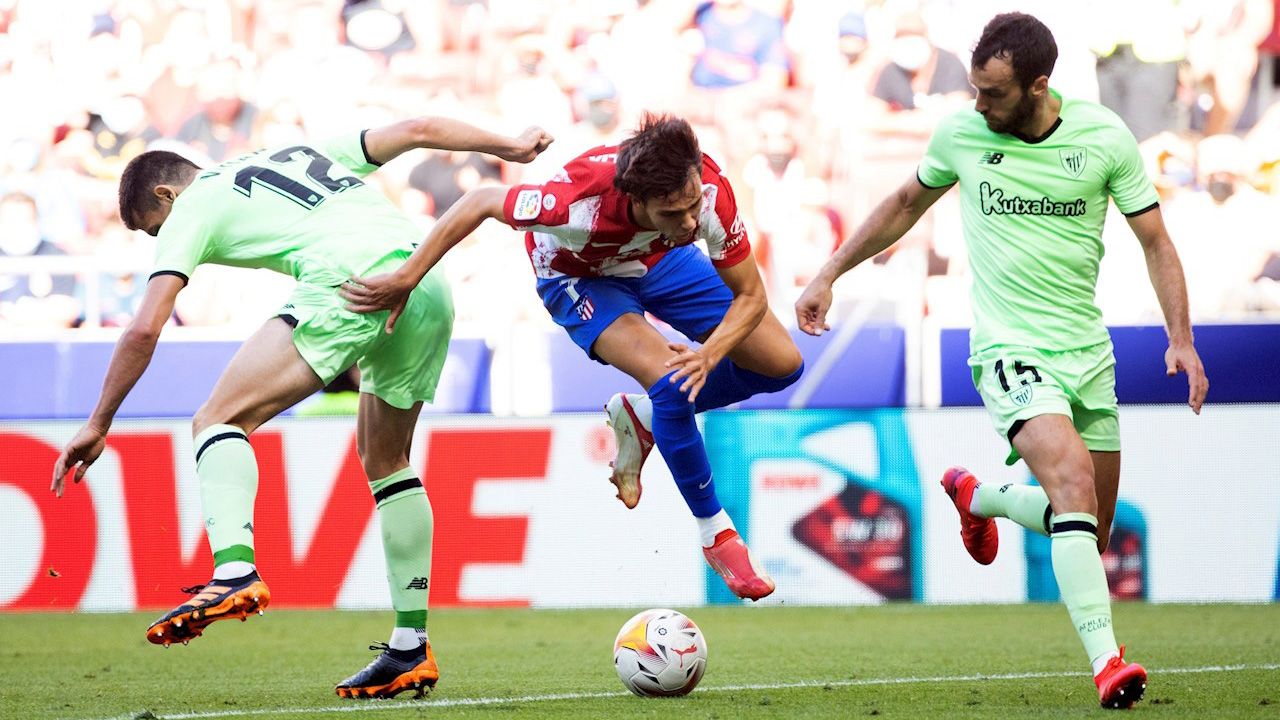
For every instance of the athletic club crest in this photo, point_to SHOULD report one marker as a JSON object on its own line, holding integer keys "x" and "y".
{"x": 1021, "y": 396}
{"x": 1073, "y": 160}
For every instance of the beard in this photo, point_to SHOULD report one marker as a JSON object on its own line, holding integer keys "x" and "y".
{"x": 1019, "y": 117}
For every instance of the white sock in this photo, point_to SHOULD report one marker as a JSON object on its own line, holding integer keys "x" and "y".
{"x": 232, "y": 570}
{"x": 975, "y": 507}
{"x": 710, "y": 527}
{"x": 644, "y": 410}
{"x": 1102, "y": 660}
{"x": 403, "y": 638}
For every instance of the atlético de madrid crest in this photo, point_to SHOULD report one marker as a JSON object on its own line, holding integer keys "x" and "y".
{"x": 1073, "y": 160}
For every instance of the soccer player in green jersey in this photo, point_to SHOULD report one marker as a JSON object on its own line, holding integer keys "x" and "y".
{"x": 304, "y": 211}
{"x": 1035, "y": 171}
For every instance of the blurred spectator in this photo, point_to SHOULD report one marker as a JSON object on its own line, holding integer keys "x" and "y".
{"x": 444, "y": 177}
{"x": 740, "y": 45}
{"x": 39, "y": 296}
{"x": 224, "y": 125}
{"x": 1223, "y": 56}
{"x": 920, "y": 77}
{"x": 1139, "y": 45}
{"x": 1216, "y": 230}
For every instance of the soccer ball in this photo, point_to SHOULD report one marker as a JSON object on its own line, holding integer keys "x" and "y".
{"x": 660, "y": 653}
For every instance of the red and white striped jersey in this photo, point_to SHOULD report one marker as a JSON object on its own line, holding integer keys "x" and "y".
{"x": 580, "y": 225}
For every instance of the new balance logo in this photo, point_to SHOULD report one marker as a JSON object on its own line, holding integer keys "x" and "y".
{"x": 991, "y": 158}
{"x": 248, "y": 526}
{"x": 418, "y": 583}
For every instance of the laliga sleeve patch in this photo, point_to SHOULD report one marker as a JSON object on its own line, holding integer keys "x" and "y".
{"x": 528, "y": 205}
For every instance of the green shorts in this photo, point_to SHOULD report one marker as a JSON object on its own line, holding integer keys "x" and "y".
{"x": 401, "y": 368}
{"x": 1019, "y": 383}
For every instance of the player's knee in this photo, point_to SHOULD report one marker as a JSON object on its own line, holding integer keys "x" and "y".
{"x": 791, "y": 364}
{"x": 1076, "y": 493}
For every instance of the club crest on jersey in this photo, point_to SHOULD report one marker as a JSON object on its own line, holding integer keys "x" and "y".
{"x": 1074, "y": 160}
{"x": 528, "y": 205}
{"x": 1021, "y": 396}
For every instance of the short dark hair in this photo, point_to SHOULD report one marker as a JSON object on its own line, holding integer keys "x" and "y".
{"x": 142, "y": 175}
{"x": 1020, "y": 40}
{"x": 657, "y": 159}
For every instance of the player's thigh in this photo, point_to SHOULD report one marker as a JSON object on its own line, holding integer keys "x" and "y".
{"x": 266, "y": 376}
{"x": 636, "y": 348}
{"x": 1060, "y": 462}
{"x": 1106, "y": 481}
{"x": 384, "y": 434}
{"x": 685, "y": 291}
{"x": 768, "y": 349}
{"x": 404, "y": 368}
{"x": 1016, "y": 385}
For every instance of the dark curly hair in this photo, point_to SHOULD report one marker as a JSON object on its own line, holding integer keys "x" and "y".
{"x": 657, "y": 159}
{"x": 1020, "y": 40}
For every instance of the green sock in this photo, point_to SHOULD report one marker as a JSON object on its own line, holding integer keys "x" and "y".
{"x": 405, "y": 516}
{"x": 1082, "y": 581}
{"x": 228, "y": 475}
{"x": 1026, "y": 505}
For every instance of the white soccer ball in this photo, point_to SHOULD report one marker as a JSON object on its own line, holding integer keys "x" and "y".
{"x": 660, "y": 653}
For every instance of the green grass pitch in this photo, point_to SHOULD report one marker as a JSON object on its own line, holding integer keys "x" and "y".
{"x": 894, "y": 661}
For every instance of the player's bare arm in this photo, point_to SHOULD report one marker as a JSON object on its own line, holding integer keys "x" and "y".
{"x": 888, "y": 222}
{"x": 391, "y": 290}
{"x": 1165, "y": 271}
{"x": 745, "y": 313}
{"x": 132, "y": 355}
{"x": 439, "y": 133}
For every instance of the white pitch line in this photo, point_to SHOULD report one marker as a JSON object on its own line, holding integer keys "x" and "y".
{"x": 375, "y": 705}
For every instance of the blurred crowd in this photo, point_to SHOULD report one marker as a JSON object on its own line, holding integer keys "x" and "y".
{"x": 815, "y": 108}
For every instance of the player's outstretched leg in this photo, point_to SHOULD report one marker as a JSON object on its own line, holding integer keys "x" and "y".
{"x": 393, "y": 672}
{"x": 979, "y": 534}
{"x": 630, "y": 415}
{"x": 675, "y": 432}
{"x": 218, "y": 600}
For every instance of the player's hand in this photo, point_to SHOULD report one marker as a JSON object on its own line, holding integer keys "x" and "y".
{"x": 528, "y": 145}
{"x": 389, "y": 291}
{"x": 1184, "y": 358}
{"x": 694, "y": 367}
{"x": 78, "y": 455}
{"x": 812, "y": 307}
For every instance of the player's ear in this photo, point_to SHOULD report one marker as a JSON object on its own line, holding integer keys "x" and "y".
{"x": 1040, "y": 86}
{"x": 165, "y": 193}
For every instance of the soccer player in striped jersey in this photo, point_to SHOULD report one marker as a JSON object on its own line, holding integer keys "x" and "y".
{"x": 610, "y": 238}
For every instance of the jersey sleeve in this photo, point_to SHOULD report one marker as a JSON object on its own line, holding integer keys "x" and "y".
{"x": 936, "y": 168}
{"x": 349, "y": 151}
{"x": 181, "y": 245}
{"x": 727, "y": 243}
{"x": 1127, "y": 180}
{"x": 548, "y": 207}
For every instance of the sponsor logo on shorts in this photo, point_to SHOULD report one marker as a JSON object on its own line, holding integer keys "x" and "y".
{"x": 528, "y": 205}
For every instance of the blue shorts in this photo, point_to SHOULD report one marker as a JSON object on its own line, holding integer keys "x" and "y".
{"x": 683, "y": 290}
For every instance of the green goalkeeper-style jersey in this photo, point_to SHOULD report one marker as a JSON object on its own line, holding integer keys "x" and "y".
{"x": 1032, "y": 212}
{"x": 301, "y": 210}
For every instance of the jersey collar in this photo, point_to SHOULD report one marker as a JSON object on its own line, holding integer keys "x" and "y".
{"x": 1047, "y": 133}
